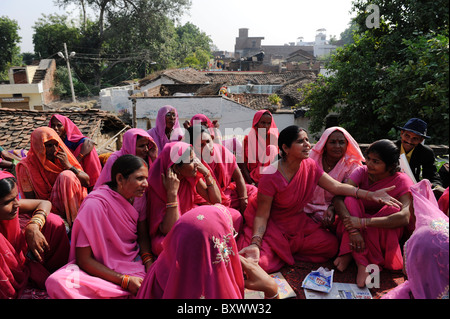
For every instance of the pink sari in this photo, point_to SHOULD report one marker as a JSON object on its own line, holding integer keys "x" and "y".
{"x": 223, "y": 164}
{"x": 199, "y": 261}
{"x": 157, "y": 196}
{"x": 352, "y": 159}
{"x": 90, "y": 163}
{"x": 426, "y": 251}
{"x": 128, "y": 147}
{"x": 15, "y": 269}
{"x": 290, "y": 234}
{"x": 158, "y": 133}
{"x": 260, "y": 151}
{"x": 107, "y": 223}
{"x": 49, "y": 180}
{"x": 382, "y": 244}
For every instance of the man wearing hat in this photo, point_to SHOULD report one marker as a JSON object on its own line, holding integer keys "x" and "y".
{"x": 420, "y": 157}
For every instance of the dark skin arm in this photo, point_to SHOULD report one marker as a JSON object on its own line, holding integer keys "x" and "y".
{"x": 86, "y": 148}
{"x": 144, "y": 240}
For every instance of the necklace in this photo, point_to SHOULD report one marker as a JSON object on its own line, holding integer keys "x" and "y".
{"x": 328, "y": 166}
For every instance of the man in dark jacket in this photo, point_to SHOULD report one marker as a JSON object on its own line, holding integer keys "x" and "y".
{"x": 421, "y": 158}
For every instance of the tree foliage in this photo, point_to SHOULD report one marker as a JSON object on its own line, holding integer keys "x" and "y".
{"x": 9, "y": 43}
{"x": 388, "y": 74}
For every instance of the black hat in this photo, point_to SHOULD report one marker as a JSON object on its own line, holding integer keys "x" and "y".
{"x": 416, "y": 126}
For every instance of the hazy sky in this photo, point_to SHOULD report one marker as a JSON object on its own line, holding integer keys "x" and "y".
{"x": 278, "y": 21}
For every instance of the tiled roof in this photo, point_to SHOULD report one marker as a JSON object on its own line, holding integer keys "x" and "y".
{"x": 185, "y": 76}
{"x": 16, "y": 125}
{"x": 258, "y": 78}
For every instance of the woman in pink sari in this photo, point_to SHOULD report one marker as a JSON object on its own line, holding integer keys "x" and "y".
{"x": 212, "y": 270}
{"x": 83, "y": 148}
{"x": 370, "y": 232}
{"x": 175, "y": 177}
{"x": 223, "y": 164}
{"x": 107, "y": 258}
{"x": 426, "y": 251}
{"x": 28, "y": 255}
{"x": 277, "y": 230}
{"x": 338, "y": 154}
{"x": 167, "y": 127}
{"x": 51, "y": 172}
{"x": 260, "y": 147}
{"x": 135, "y": 142}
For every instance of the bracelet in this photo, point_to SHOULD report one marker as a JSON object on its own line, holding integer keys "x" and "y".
{"x": 243, "y": 198}
{"x": 209, "y": 185}
{"x": 172, "y": 205}
{"x": 146, "y": 258}
{"x": 353, "y": 231}
{"x": 276, "y": 295}
{"x": 38, "y": 220}
{"x": 257, "y": 245}
{"x": 81, "y": 155}
{"x": 364, "y": 222}
{"x": 125, "y": 282}
{"x": 40, "y": 211}
{"x": 356, "y": 193}
{"x": 74, "y": 170}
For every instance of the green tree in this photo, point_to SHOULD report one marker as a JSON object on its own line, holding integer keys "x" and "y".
{"x": 9, "y": 44}
{"x": 388, "y": 74}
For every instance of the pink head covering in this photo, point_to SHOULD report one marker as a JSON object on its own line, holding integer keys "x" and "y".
{"x": 352, "y": 159}
{"x": 200, "y": 259}
{"x": 426, "y": 251}
{"x": 202, "y": 119}
{"x": 72, "y": 131}
{"x": 352, "y": 155}
{"x": 159, "y": 131}
{"x": 157, "y": 196}
{"x": 128, "y": 147}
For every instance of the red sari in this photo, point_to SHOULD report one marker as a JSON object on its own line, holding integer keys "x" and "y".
{"x": 382, "y": 244}
{"x": 260, "y": 151}
{"x": 15, "y": 269}
{"x": 290, "y": 234}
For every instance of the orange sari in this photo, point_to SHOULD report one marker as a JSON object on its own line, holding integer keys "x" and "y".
{"x": 48, "y": 180}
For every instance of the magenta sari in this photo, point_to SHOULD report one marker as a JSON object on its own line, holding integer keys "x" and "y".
{"x": 426, "y": 251}
{"x": 158, "y": 133}
{"x": 382, "y": 244}
{"x": 290, "y": 234}
{"x": 107, "y": 223}
{"x": 90, "y": 163}
{"x": 200, "y": 259}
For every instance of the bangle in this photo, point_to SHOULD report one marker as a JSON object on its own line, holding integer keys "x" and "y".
{"x": 38, "y": 220}
{"x": 276, "y": 295}
{"x": 356, "y": 193}
{"x": 243, "y": 198}
{"x": 40, "y": 211}
{"x": 125, "y": 282}
{"x": 172, "y": 205}
{"x": 146, "y": 258}
{"x": 209, "y": 185}
{"x": 74, "y": 170}
{"x": 81, "y": 155}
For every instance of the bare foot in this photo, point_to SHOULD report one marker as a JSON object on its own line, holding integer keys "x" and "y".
{"x": 361, "y": 276}
{"x": 342, "y": 262}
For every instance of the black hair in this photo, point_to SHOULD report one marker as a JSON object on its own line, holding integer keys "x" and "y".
{"x": 7, "y": 185}
{"x": 388, "y": 152}
{"x": 288, "y": 136}
{"x": 193, "y": 130}
{"x": 125, "y": 165}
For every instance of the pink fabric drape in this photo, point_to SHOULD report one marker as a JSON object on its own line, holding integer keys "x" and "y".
{"x": 382, "y": 244}
{"x": 260, "y": 151}
{"x": 352, "y": 159}
{"x": 90, "y": 162}
{"x": 443, "y": 201}
{"x": 200, "y": 259}
{"x": 290, "y": 234}
{"x": 107, "y": 223}
{"x": 158, "y": 133}
{"x": 128, "y": 147}
{"x": 157, "y": 196}
{"x": 426, "y": 251}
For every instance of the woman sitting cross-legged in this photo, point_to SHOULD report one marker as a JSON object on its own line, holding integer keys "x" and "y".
{"x": 109, "y": 254}
{"x": 370, "y": 231}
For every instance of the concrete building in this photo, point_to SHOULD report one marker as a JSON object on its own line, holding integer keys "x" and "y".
{"x": 30, "y": 87}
